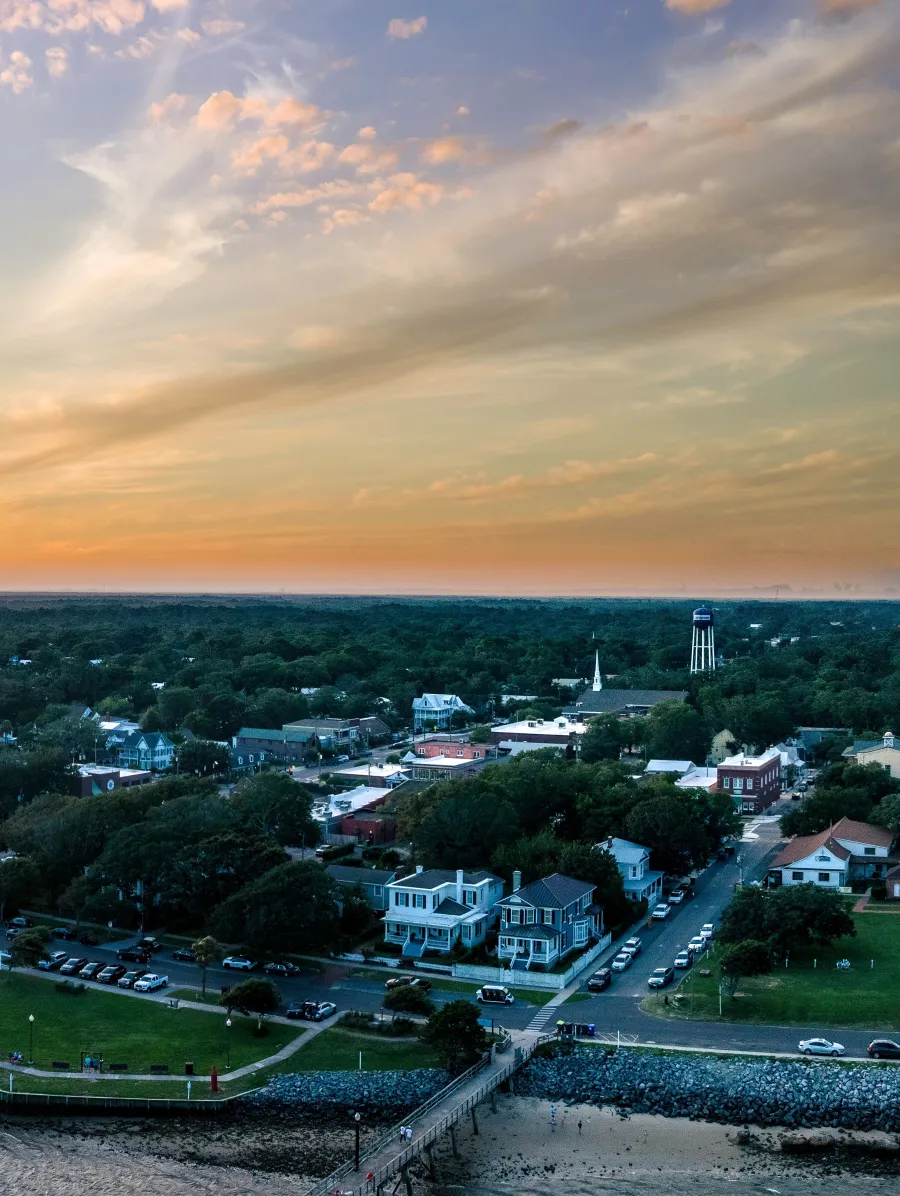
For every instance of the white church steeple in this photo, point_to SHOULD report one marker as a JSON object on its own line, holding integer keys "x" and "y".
{"x": 598, "y": 680}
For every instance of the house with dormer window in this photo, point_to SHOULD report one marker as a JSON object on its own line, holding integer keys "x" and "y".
{"x": 845, "y": 851}
{"x": 148, "y": 750}
{"x": 434, "y": 910}
{"x": 543, "y": 921}
{"x": 639, "y": 880}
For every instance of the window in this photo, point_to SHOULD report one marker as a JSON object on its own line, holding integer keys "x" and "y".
{"x": 739, "y": 782}
{"x": 469, "y": 897}
{"x": 529, "y": 916}
{"x": 512, "y": 917}
{"x": 401, "y": 899}
{"x": 419, "y": 900}
{"x": 476, "y": 755}
{"x": 634, "y": 871}
{"x": 749, "y": 782}
{"x": 726, "y": 782}
{"x": 581, "y": 932}
{"x": 796, "y": 876}
{"x": 869, "y": 851}
{"x": 548, "y": 917}
{"x": 459, "y": 752}
{"x": 825, "y": 877}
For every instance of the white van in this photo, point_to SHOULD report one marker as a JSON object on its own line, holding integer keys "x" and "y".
{"x": 494, "y": 994}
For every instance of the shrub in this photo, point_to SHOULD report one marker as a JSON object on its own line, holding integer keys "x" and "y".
{"x": 879, "y": 891}
{"x": 67, "y": 988}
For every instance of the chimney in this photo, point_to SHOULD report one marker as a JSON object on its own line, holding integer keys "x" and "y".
{"x": 609, "y": 843}
{"x": 418, "y": 869}
{"x": 459, "y": 885}
{"x": 517, "y": 880}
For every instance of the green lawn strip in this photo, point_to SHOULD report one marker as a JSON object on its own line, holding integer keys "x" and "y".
{"x": 578, "y": 995}
{"x": 210, "y": 997}
{"x": 338, "y": 1050}
{"x": 173, "y": 1089}
{"x": 125, "y": 1030}
{"x": 864, "y": 997}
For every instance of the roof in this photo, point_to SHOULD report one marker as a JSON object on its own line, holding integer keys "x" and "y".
{"x": 664, "y": 766}
{"x": 862, "y": 745}
{"x": 613, "y": 701}
{"x": 863, "y": 832}
{"x": 551, "y": 892}
{"x": 805, "y": 845}
{"x": 269, "y": 734}
{"x": 439, "y": 702}
{"x": 449, "y": 906}
{"x": 624, "y": 850}
{"x": 360, "y": 876}
{"x": 529, "y": 932}
{"x": 893, "y": 873}
{"x": 433, "y": 878}
{"x": 742, "y": 760}
{"x": 153, "y": 739}
{"x": 374, "y": 724}
{"x": 327, "y": 724}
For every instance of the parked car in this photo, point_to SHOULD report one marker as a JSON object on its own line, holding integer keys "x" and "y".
{"x": 321, "y": 1010}
{"x": 239, "y": 963}
{"x": 697, "y": 944}
{"x": 820, "y": 1046}
{"x": 660, "y": 977}
{"x": 421, "y": 982}
{"x": 622, "y": 961}
{"x": 632, "y": 946}
{"x": 54, "y": 960}
{"x": 185, "y": 954}
{"x": 91, "y": 970}
{"x": 149, "y": 943}
{"x": 299, "y": 1009}
{"x": 677, "y": 896}
{"x": 884, "y": 1048}
{"x": 284, "y": 968}
{"x": 111, "y": 974}
{"x": 342, "y": 759}
{"x": 683, "y": 959}
{"x": 707, "y": 930}
{"x": 66, "y": 933}
{"x": 133, "y": 955}
{"x": 13, "y": 931}
{"x": 128, "y": 980}
{"x": 600, "y": 980}
{"x": 20, "y": 922}
{"x": 72, "y": 966}
{"x": 494, "y": 994}
{"x": 149, "y": 982}
{"x": 661, "y": 912}
{"x": 87, "y": 938}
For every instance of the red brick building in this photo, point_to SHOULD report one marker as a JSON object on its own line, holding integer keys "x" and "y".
{"x": 753, "y": 781}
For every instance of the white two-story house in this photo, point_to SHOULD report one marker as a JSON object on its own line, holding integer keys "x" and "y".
{"x": 148, "y": 750}
{"x": 639, "y": 881}
{"x": 834, "y": 856}
{"x": 433, "y": 910}
{"x": 543, "y": 921}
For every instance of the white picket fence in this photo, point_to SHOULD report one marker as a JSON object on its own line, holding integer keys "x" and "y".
{"x": 546, "y": 981}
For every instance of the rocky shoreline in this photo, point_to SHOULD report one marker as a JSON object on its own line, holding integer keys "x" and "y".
{"x": 731, "y": 1090}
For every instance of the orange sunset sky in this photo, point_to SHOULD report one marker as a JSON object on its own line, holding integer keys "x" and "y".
{"x": 485, "y": 296}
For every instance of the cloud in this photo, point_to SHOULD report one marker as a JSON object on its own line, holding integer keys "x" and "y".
{"x": 143, "y": 47}
{"x": 16, "y": 75}
{"x": 222, "y": 109}
{"x": 247, "y": 159}
{"x": 335, "y": 189}
{"x": 407, "y": 191}
{"x": 845, "y": 8}
{"x": 695, "y": 7}
{"x": 57, "y": 59}
{"x": 221, "y": 26}
{"x": 398, "y": 28}
{"x": 368, "y": 159}
{"x": 444, "y": 149}
{"x": 171, "y": 106}
{"x": 169, "y": 5}
{"x": 462, "y": 110}
{"x": 72, "y": 16}
{"x": 366, "y": 134}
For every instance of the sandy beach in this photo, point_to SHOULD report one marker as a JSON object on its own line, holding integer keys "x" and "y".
{"x": 521, "y": 1148}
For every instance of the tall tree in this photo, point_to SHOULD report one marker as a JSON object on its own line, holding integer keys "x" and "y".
{"x": 289, "y": 908}
{"x": 455, "y": 1035}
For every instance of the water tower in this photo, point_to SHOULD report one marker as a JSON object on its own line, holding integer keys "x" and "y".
{"x": 703, "y": 641}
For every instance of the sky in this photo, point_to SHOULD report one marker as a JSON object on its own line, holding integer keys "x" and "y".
{"x": 485, "y": 296}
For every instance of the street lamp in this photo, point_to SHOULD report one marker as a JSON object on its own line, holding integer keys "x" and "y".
{"x": 356, "y": 1121}
{"x": 228, "y": 1042}
{"x": 30, "y": 1039}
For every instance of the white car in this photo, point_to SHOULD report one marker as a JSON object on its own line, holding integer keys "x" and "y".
{"x": 707, "y": 930}
{"x": 820, "y": 1046}
{"x": 622, "y": 961}
{"x": 676, "y": 897}
{"x": 683, "y": 959}
{"x": 150, "y": 982}
{"x": 632, "y": 947}
{"x": 239, "y": 963}
{"x": 697, "y": 944}
{"x": 661, "y": 911}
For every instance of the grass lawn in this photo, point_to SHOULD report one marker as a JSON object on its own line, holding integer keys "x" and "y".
{"x": 865, "y": 997}
{"x": 578, "y": 995}
{"x": 210, "y": 997}
{"x": 124, "y": 1029}
{"x": 338, "y": 1050}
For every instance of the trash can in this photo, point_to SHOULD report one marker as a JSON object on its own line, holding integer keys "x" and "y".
{"x": 188, "y": 1069}
{"x": 590, "y": 1029}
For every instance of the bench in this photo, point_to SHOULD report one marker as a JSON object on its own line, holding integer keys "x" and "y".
{"x": 117, "y": 1067}
{"x": 159, "y": 1069}
{"x": 59, "y": 1066}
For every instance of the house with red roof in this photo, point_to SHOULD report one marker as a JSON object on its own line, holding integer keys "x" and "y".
{"x": 847, "y": 850}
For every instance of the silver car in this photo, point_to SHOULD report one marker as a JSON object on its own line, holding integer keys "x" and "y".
{"x": 821, "y": 1046}
{"x": 621, "y": 962}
